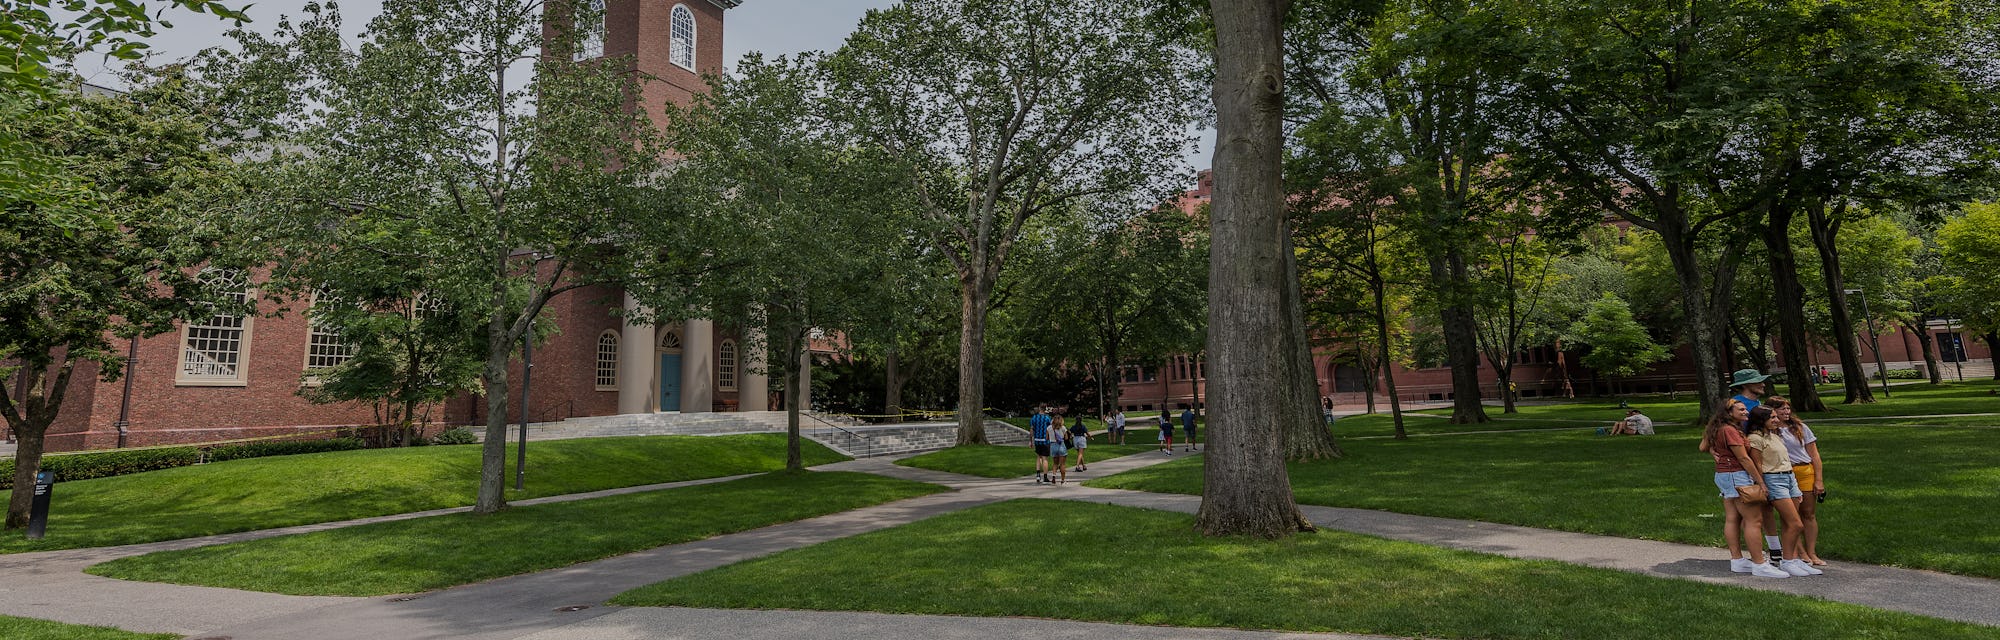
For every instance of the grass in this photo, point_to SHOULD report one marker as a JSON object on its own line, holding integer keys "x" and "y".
{"x": 423, "y": 554}
{"x": 264, "y": 493}
{"x": 991, "y": 461}
{"x": 1157, "y": 570}
{"x": 1901, "y": 496}
{"x": 12, "y": 627}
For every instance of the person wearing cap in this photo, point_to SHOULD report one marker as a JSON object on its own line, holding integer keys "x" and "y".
{"x": 1634, "y": 424}
{"x": 1749, "y": 387}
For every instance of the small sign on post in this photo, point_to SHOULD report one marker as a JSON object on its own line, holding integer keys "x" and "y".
{"x": 38, "y": 513}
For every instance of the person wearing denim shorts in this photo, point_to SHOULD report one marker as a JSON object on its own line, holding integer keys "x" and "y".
{"x": 1767, "y": 450}
{"x": 1725, "y": 443}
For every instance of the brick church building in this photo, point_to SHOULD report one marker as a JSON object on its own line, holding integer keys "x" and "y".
{"x": 230, "y": 377}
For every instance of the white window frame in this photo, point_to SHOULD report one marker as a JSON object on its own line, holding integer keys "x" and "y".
{"x": 314, "y": 333}
{"x": 726, "y": 358}
{"x": 590, "y": 42}
{"x": 674, "y": 38}
{"x": 241, "y": 375}
{"x": 607, "y": 368}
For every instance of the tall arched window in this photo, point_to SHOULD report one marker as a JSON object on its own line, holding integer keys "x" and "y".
{"x": 589, "y": 21}
{"x": 680, "y": 50}
{"x": 324, "y": 349}
{"x": 607, "y": 361}
{"x": 725, "y": 366}
{"x": 213, "y": 349}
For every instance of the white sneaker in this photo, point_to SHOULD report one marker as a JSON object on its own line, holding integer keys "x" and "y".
{"x": 1792, "y": 567}
{"x": 1740, "y": 565}
{"x": 1804, "y": 566}
{"x": 1767, "y": 571}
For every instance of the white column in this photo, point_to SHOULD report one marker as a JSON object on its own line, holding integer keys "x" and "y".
{"x": 635, "y": 361}
{"x": 698, "y": 367}
{"x": 753, "y": 387}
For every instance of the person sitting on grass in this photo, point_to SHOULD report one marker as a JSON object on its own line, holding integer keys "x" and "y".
{"x": 1166, "y": 432}
{"x": 1079, "y": 438}
{"x": 1059, "y": 450}
{"x": 1038, "y": 429}
{"x": 1634, "y": 424}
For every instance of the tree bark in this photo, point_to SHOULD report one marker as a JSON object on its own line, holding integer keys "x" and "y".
{"x": 1931, "y": 364}
{"x": 493, "y": 452}
{"x": 1461, "y": 340}
{"x": 1306, "y": 434}
{"x": 974, "y": 290}
{"x": 1824, "y": 228}
{"x": 1993, "y": 346}
{"x": 1788, "y": 299}
{"x": 1246, "y": 490}
{"x": 892, "y": 388}
{"x": 1705, "y": 337}
{"x": 1388, "y": 369}
{"x": 29, "y": 419}
{"x": 795, "y": 353}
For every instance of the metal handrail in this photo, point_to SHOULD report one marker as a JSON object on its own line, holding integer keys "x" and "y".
{"x": 824, "y": 422}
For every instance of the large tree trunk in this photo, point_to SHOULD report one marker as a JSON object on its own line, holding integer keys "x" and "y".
{"x": 29, "y": 418}
{"x": 974, "y": 291}
{"x": 892, "y": 388}
{"x": 1388, "y": 368}
{"x": 1916, "y": 327}
{"x": 1824, "y": 228}
{"x": 796, "y": 354}
{"x": 1306, "y": 435}
{"x": 1461, "y": 339}
{"x": 1705, "y": 337}
{"x": 1993, "y": 346}
{"x": 493, "y": 452}
{"x": 1246, "y": 490}
{"x": 1788, "y": 299}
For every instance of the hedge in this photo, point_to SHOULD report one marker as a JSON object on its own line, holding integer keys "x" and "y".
{"x": 104, "y": 464}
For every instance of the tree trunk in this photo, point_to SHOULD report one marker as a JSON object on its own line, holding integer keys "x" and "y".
{"x": 892, "y": 388}
{"x": 1824, "y": 228}
{"x": 493, "y": 452}
{"x": 1993, "y": 346}
{"x": 796, "y": 354}
{"x": 1461, "y": 341}
{"x": 1306, "y": 434}
{"x": 1704, "y": 335}
{"x": 1388, "y": 369}
{"x": 1788, "y": 299}
{"x": 973, "y": 293}
{"x": 1931, "y": 363}
{"x": 1246, "y": 490}
{"x": 1504, "y": 372}
{"x": 1368, "y": 384}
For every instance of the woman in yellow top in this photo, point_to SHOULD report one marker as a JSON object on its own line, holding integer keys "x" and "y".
{"x": 1802, "y": 447}
{"x": 1767, "y": 448}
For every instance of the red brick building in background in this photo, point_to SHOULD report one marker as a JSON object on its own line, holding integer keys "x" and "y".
{"x": 1538, "y": 372}
{"x": 236, "y": 377}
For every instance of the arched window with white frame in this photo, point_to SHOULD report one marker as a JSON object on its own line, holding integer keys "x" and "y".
{"x": 680, "y": 47}
{"x": 725, "y": 366}
{"x": 324, "y": 348}
{"x": 214, "y": 350}
{"x": 607, "y": 361}
{"x": 590, "y": 21}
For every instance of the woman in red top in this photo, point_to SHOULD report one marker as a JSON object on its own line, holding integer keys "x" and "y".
{"x": 1725, "y": 443}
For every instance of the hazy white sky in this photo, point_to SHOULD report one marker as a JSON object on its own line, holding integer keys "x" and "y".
{"x": 771, "y": 26}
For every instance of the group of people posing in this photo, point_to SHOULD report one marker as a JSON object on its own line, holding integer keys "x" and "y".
{"x": 1767, "y": 466}
{"x": 1054, "y": 440}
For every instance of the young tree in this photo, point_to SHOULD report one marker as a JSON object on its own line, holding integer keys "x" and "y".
{"x": 999, "y": 112}
{"x": 426, "y": 139}
{"x": 403, "y": 351}
{"x": 1970, "y": 286}
{"x": 1260, "y": 385}
{"x": 1619, "y": 346}
{"x": 111, "y": 256}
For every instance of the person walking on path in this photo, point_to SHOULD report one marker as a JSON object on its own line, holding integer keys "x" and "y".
{"x": 1117, "y": 423}
{"x": 1038, "y": 430}
{"x": 1802, "y": 449}
{"x": 1166, "y": 432}
{"x": 1724, "y": 442}
{"x": 1079, "y": 439}
{"x": 1059, "y": 450}
{"x": 1187, "y": 425}
{"x": 1767, "y": 448}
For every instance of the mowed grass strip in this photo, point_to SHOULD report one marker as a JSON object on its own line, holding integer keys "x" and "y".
{"x": 999, "y": 461}
{"x": 1902, "y": 496}
{"x": 282, "y": 491}
{"x": 423, "y": 554}
{"x": 1082, "y": 561}
{"x": 30, "y": 628}
{"x": 1970, "y": 396}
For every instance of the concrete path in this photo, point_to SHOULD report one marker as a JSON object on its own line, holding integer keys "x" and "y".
{"x": 568, "y": 603}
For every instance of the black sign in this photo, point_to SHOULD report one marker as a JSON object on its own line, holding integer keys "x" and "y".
{"x": 38, "y": 514}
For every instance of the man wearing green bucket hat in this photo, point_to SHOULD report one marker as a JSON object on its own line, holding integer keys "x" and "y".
{"x": 1749, "y": 387}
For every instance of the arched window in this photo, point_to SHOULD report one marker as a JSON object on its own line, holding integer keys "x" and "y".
{"x": 607, "y": 361}
{"x": 324, "y": 350}
{"x": 589, "y": 22}
{"x": 725, "y": 366}
{"x": 670, "y": 342}
{"x": 213, "y": 349}
{"x": 680, "y": 49}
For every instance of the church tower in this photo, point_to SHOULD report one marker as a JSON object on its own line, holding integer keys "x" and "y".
{"x": 671, "y": 43}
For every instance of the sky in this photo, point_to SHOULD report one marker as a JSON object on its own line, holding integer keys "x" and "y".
{"x": 773, "y": 27}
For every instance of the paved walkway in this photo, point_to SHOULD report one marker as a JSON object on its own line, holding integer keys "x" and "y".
{"x": 567, "y": 603}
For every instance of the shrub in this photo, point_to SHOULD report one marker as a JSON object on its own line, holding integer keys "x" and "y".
{"x": 286, "y": 448}
{"x": 455, "y": 435}
{"x": 84, "y": 466}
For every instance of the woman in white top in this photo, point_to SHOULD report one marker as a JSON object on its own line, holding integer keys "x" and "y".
{"x": 1802, "y": 447}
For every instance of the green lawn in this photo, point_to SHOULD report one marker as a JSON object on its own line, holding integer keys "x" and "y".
{"x": 1902, "y": 496}
{"x": 26, "y": 628}
{"x": 264, "y": 493}
{"x": 994, "y": 461}
{"x": 1118, "y": 564}
{"x": 423, "y": 554}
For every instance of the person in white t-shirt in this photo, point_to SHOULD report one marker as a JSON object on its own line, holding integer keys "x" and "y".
{"x": 1634, "y": 424}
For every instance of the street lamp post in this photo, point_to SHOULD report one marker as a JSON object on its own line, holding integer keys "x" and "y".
{"x": 1874, "y": 340}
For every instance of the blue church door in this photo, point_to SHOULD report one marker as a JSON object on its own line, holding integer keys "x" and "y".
{"x": 670, "y": 382}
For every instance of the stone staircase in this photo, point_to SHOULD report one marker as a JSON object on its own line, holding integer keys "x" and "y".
{"x": 843, "y": 434}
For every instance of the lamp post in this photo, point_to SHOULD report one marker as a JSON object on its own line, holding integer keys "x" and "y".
{"x": 1874, "y": 339}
